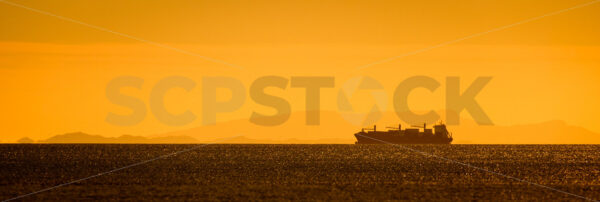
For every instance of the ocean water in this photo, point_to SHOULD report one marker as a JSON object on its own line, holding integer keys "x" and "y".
{"x": 302, "y": 172}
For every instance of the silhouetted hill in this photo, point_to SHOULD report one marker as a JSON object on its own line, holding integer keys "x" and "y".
{"x": 549, "y": 132}
{"x": 245, "y": 140}
{"x": 80, "y": 137}
{"x": 25, "y": 140}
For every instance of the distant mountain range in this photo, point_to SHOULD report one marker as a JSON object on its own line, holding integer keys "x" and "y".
{"x": 80, "y": 137}
{"x": 549, "y": 132}
{"x": 334, "y": 129}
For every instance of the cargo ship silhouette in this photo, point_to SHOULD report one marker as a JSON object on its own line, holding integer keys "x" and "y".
{"x": 438, "y": 135}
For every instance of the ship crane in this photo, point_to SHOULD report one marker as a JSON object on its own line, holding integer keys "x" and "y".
{"x": 424, "y": 126}
{"x": 370, "y": 129}
{"x": 398, "y": 128}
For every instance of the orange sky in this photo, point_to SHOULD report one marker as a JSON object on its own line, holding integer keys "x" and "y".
{"x": 54, "y": 72}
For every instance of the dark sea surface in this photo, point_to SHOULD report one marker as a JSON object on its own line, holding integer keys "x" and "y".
{"x": 301, "y": 172}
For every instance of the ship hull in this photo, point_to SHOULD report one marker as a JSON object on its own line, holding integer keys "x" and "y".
{"x": 387, "y": 139}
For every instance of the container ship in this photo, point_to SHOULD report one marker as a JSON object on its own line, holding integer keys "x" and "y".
{"x": 436, "y": 135}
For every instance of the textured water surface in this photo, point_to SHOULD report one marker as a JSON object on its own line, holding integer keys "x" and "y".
{"x": 301, "y": 172}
